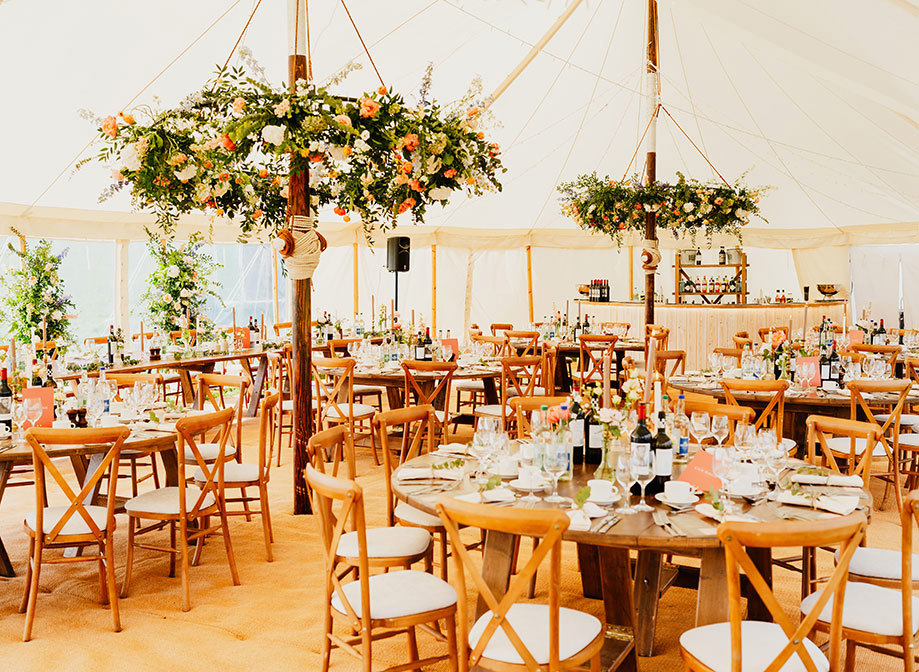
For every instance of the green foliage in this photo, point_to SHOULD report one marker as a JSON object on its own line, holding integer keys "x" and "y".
{"x": 581, "y": 498}
{"x": 180, "y": 285}
{"x": 34, "y": 290}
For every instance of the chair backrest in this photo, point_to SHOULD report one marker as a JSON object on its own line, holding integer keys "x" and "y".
{"x": 187, "y": 428}
{"x": 524, "y": 407}
{"x": 174, "y": 336}
{"x": 520, "y": 376}
{"x": 521, "y": 343}
{"x": 337, "y": 442}
{"x": 498, "y": 343}
{"x": 912, "y": 369}
{"x": 123, "y": 380}
{"x": 548, "y": 526}
{"x": 38, "y": 438}
{"x": 734, "y": 414}
{"x": 856, "y": 357}
{"x": 820, "y": 428}
{"x": 765, "y": 331}
{"x": 773, "y": 414}
{"x": 327, "y": 491}
{"x": 610, "y": 327}
{"x": 437, "y": 377}
{"x": 741, "y": 341}
{"x": 498, "y": 328}
{"x": 339, "y": 347}
{"x": 593, "y": 350}
{"x": 909, "y": 514}
{"x": 266, "y": 427}
{"x": 736, "y": 353}
{"x": 147, "y": 335}
{"x": 207, "y": 381}
{"x": 737, "y": 537}
{"x": 48, "y": 346}
{"x": 334, "y": 378}
{"x": 675, "y": 358}
{"x": 659, "y": 333}
{"x": 889, "y": 351}
{"x": 281, "y": 326}
{"x": 417, "y": 424}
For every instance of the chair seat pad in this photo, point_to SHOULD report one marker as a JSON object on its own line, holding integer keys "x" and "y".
{"x": 358, "y": 410}
{"x": 75, "y": 525}
{"x": 165, "y": 501}
{"x": 492, "y": 410}
{"x": 400, "y": 593}
{"x": 387, "y": 542}
{"x": 761, "y": 642}
{"x": 440, "y": 415}
{"x": 868, "y": 608}
{"x": 287, "y": 405}
{"x": 907, "y": 419}
{"x": 209, "y": 452}
{"x": 409, "y": 514}
{"x": 531, "y": 623}
{"x": 233, "y": 472}
{"x": 368, "y": 389}
{"x": 469, "y": 385}
{"x": 911, "y": 440}
{"x": 841, "y": 444}
{"x": 880, "y": 563}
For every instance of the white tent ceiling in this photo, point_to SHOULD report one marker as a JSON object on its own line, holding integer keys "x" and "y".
{"x": 820, "y": 100}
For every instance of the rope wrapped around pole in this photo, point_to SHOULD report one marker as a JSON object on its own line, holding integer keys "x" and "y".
{"x": 300, "y": 246}
{"x": 650, "y": 256}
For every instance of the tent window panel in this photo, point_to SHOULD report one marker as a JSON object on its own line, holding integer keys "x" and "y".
{"x": 875, "y": 279}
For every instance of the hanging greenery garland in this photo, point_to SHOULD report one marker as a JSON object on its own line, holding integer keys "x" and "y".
{"x": 687, "y": 208}
{"x": 228, "y": 149}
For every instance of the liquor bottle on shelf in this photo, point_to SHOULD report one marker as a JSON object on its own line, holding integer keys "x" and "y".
{"x": 722, "y": 256}
{"x": 698, "y": 257}
{"x": 641, "y": 436}
{"x": 6, "y": 405}
{"x": 662, "y": 447}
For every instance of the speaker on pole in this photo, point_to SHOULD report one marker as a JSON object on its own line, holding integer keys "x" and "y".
{"x": 397, "y": 253}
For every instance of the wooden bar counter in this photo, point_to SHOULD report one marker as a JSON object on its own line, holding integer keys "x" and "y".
{"x": 698, "y": 329}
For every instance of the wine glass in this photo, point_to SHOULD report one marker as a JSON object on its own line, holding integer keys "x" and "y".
{"x": 723, "y": 465}
{"x": 700, "y": 425}
{"x": 720, "y": 428}
{"x": 716, "y": 359}
{"x": 19, "y": 417}
{"x": 33, "y": 410}
{"x": 625, "y": 481}
{"x": 641, "y": 462}
{"x": 556, "y": 463}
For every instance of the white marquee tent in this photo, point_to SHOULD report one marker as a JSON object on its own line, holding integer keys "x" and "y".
{"x": 819, "y": 100}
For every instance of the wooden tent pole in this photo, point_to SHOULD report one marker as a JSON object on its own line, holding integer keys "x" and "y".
{"x": 354, "y": 264}
{"x": 274, "y": 284}
{"x": 434, "y": 288}
{"x": 652, "y": 83}
{"x": 530, "y": 281}
{"x": 631, "y": 272}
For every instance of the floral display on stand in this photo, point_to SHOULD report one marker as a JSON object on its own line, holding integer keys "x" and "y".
{"x": 35, "y": 303}
{"x": 181, "y": 285}
{"x": 228, "y": 149}
{"x": 685, "y": 209}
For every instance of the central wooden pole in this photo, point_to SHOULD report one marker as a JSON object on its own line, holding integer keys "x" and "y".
{"x": 651, "y": 158}
{"x": 298, "y": 203}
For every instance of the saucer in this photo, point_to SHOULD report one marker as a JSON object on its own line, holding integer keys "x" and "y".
{"x": 517, "y": 485}
{"x": 606, "y": 502}
{"x": 677, "y": 504}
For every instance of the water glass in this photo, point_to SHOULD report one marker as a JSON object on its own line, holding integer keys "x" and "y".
{"x": 625, "y": 481}
{"x": 720, "y": 428}
{"x": 641, "y": 461}
{"x": 556, "y": 462}
{"x": 700, "y": 425}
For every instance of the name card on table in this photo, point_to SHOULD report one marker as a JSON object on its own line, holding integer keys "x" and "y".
{"x": 451, "y": 344}
{"x": 813, "y": 371}
{"x": 699, "y": 472}
{"x": 46, "y": 396}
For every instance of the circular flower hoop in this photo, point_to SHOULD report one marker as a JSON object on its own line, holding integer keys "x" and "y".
{"x": 229, "y": 149}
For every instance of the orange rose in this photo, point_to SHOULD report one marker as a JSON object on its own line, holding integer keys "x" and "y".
{"x": 416, "y": 185}
{"x": 346, "y": 218}
{"x": 382, "y": 90}
{"x": 304, "y": 153}
{"x": 340, "y": 211}
{"x": 346, "y": 151}
{"x": 263, "y": 173}
{"x": 401, "y": 178}
{"x": 257, "y": 214}
{"x": 406, "y": 204}
{"x": 208, "y": 165}
{"x": 369, "y": 108}
{"x": 407, "y": 167}
{"x": 450, "y": 172}
{"x": 227, "y": 142}
{"x": 470, "y": 180}
{"x": 110, "y": 126}
{"x": 315, "y": 158}
{"x": 480, "y": 135}
{"x": 411, "y": 142}
{"x": 128, "y": 118}
{"x": 223, "y": 177}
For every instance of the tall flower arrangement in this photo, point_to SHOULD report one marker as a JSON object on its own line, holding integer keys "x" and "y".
{"x": 228, "y": 149}
{"x": 181, "y": 284}
{"x": 34, "y": 296}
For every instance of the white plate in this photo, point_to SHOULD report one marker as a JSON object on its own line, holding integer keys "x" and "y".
{"x": 789, "y": 444}
{"x": 663, "y": 499}
{"x": 606, "y": 502}
{"x": 517, "y": 485}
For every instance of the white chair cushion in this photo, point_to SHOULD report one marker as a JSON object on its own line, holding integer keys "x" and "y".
{"x": 287, "y": 405}
{"x": 440, "y": 416}
{"x": 761, "y": 642}
{"x": 880, "y": 563}
{"x": 491, "y": 410}
{"x": 209, "y": 452}
{"x": 358, "y": 410}
{"x": 401, "y": 593}
{"x": 911, "y": 440}
{"x": 233, "y": 472}
{"x": 469, "y": 385}
{"x": 387, "y": 542}
{"x": 531, "y": 623}
{"x": 75, "y": 525}
{"x": 868, "y": 608}
{"x": 410, "y": 514}
{"x": 908, "y": 419}
{"x": 368, "y": 389}
{"x": 842, "y": 444}
{"x": 165, "y": 501}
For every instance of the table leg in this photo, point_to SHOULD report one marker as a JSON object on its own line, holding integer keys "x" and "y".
{"x": 255, "y": 394}
{"x": 170, "y": 460}
{"x": 756, "y": 610}
{"x": 6, "y": 567}
{"x": 616, "y": 582}
{"x": 711, "y": 602}
{"x": 394, "y": 397}
{"x": 188, "y": 388}
{"x": 497, "y": 561}
{"x": 589, "y": 567}
{"x": 620, "y": 356}
{"x": 647, "y": 592}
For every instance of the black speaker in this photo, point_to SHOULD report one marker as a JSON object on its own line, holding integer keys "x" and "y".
{"x": 397, "y": 253}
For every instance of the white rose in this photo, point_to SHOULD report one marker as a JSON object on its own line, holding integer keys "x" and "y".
{"x": 689, "y": 207}
{"x": 433, "y": 165}
{"x": 221, "y": 188}
{"x": 740, "y": 213}
{"x": 360, "y": 146}
{"x": 130, "y": 159}
{"x": 188, "y": 259}
{"x": 177, "y": 305}
{"x": 338, "y": 153}
{"x": 188, "y": 172}
{"x": 365, "y": 135}
{"x": 173, "y": 271}
{"x": 273, "y": 134}
{"x": 48, "y": 267}
{"x": 185, "y": 294}
{"x": 56, "y": 315}
{"x": 440, "y": 193}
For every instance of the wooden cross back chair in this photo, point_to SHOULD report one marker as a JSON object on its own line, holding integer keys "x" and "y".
{"x": 340, "y": 347}
{"x": 735, "y": 353}
{"x": 334, "y": 445}
{"x": 429, "y": 383}
{"x": 498, "y": 328}
{"x": 520, "y": 377}
{"x": 180, "y": 507}
{"x": 742, "y": 339}
{"x": 675, "y": 359}
{"x": 772, "y": 416}
{"x": 831, "y": 434}
{"x": 498, "y": 343}
{"x": 282, "y": 364}
{"x": 892, "y": 352}
{"x": 856, "y": 357}
{"x": 524, "y": 407}
{"x": 79, "y": 523}
{"x": 659, "y": 333}
{"x": 770, "y": 646}
{"x": 734, "y": 414}
{"x": 422, "y": 598}
{"x": 207, "y": 382}
{"x": 282, "y": 326}
{"x": 765, "y": 331}
{"x": 521, "y": 343}
{"x": 334, "y": 401}
{"x": 593, "y": 349}
{"x": 510, "y": 635}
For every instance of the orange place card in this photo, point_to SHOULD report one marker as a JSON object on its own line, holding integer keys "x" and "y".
{"x": 46, "y": 396}
{"x": 813, "y": 371}
{"x": 699, "y": 472}
{"x": 856, "y": 337}
{"x": 452, "y": 344}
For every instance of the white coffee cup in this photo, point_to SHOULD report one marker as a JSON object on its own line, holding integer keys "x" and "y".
{"x": 507, "y": 466}
{"x": 528, "y": 476}
{"x": 743, "y": 486}
{"x": 62, "y": 424}
{"x": 678, "y": 491}
{"x": 601, "y": 490}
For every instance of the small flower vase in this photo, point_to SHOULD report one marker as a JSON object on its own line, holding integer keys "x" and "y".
{"x": 606, "y": 471}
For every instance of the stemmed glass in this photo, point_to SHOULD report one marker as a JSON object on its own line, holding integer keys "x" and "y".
{"x": 19, "y": 417}
{"x": 556, "y": 463}
{"x": 724, "y": 465}
{"x": 700, "y": 425}
{"x": 625, "y": 481}
{"x": 641, "y": 461}
{"x": 716, "y": 359}
{"x": 720, "y": 428}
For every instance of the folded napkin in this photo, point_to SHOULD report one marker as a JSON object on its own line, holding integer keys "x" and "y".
{"x": 493, "y": 496}
{"x": 833, "y": 479}
{"x": 451, "y": 449}
{"x": 842, "y": 505}
{"x": 707, "y": 510}
{"x": 579, "y": 520}
{"x": 422, "y": 473}
{"x": 593, "y": 511}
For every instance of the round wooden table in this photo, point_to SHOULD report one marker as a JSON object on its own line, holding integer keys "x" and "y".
{"x": 605, "y": 565}
{"x": 14, "y": 453}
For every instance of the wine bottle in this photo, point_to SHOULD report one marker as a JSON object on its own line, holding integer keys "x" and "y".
{"x": 577, "y": 329}
{"x": 49, "y": 378}
{"x": 824, "y": 367}
{"x": 882, "y": 334}
{"x": 834, "y": 364}
{"x": 586, "y": 326}
{"x": 641, "y": 438}
{"x": 722, "y": 257}
{"x": 662, "y": 447}
{"x": 6, "y": 404}
{"x": 578, "y": 425}
{"x": 36, "y": 376}
{"x": 110, "y": 344}
{"x": 419, "y": 347}
{"x": 428, "y": 345}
